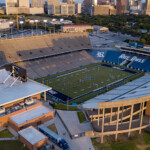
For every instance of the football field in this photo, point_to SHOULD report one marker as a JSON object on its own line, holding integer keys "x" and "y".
{"x": 85, "y": 79}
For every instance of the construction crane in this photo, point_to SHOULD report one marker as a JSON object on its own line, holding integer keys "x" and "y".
{"x": 14, "y": 16}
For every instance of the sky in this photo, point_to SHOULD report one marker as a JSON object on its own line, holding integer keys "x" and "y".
{"x": 78, "y": 1}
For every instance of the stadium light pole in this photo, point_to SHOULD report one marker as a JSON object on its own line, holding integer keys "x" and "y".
{"x": 36, "y": 21}
{"x": 32, "y": 22}
{"x": 45, "y": 21}
{"x": 11, "y": 23}
{"x": 22, "y": 22}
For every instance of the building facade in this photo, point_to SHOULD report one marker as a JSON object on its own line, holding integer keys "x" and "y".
{"x": 23, "y": 7}
{"x": 69, "y": 1}
{"x": 122, "y": 6}
{"x": 4, "y": 25}
{"x": 61, "y": 9}
{"x": 114, "y": 118}
{"x": 24, "y": 3}
{"x": 148, "y": 7}
{"x": 103, "y": 10}
{"x": 87, "y": 7}
{"x": 32, "y": 138}
{"x": 78, "y": 8}
{"x": 2, "y": 11}
{"x": 76, "y": 28}
{"x": 51, "y": 2}
{"x": 37, "y": 3}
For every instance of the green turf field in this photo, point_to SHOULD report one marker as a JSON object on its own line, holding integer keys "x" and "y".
{"x": 83, "y": 81}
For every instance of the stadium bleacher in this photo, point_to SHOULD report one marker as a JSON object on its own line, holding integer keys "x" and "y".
{"x": 50, "y": 65}
{"x": 41, "y": 55}
{"x": 118, "y": 57}
{"x": 20, "y": 49}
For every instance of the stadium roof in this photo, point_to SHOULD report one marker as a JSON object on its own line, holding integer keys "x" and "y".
{"x": 30, "y": 114}
{"x": 32, "y": 135}
{"x": 13, "y": 89}
{"x": 135, "y": 89}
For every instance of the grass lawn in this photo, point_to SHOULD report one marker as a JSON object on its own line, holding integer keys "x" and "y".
{"x": 65, "y": 107}
{"x": 5, "y": 134}
{"x": 114, "y": 146}
{"x": 83, "y": 80}
{"x": 12, "y": 145}
{"x": 81, "y": 116}
{"x": 53, "y": 128}
{"x": 138, "y": 142}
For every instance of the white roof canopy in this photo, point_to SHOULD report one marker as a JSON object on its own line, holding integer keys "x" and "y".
{"x": 32, "y": 135}
{"x": 19, "y": 90}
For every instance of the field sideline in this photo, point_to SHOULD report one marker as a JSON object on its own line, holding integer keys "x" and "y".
{"x": 83, "y": 80}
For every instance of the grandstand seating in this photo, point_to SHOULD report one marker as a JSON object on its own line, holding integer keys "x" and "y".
{"x": 113, "y": 57}
{"x": 135, "y": 61}
{"x": 20, "y": 49}
{"x": 50, "y": 65}
{"x": 143, "y": 66}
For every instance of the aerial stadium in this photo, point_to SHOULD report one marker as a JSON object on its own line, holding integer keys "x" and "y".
{"x": 111, "y": 85}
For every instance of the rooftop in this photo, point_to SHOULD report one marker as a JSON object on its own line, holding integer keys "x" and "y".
{"x": 30, "y": 114}
{"x": 77, "y": 25}
{"x": 13, "y": 89}
{"x": 32, "y": 135}
{"x": 17, "y": 107}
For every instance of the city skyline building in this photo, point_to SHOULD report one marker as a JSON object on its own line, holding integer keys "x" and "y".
{"x": 148, "y": 7}
{"x": 87, "y": 6}
{"x": 122, "y": 6}
{"x": 78, "y": 7}
{"x": 59, "y": 8}
{"x": 37, "y": 3}
{"x": 50, "y": 2}
{"x": 23, "y": 7}
{"x": 69, "y": 1}
{"x": 24, "y": 3}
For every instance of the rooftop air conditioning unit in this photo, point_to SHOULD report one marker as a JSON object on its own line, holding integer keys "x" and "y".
{"x": 2, "y": 110}
{"x": 29, "y": 101}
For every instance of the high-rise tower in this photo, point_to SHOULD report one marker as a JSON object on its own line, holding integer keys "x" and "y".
{"x": 122, "y": 6}
{"x": 148, "y": 7}
{"x": 37, "y": 3}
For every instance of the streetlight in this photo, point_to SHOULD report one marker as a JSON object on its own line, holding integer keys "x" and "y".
{"x": 36, "y": 21}
{"x": 32, "y": 22}
{"x": 22, "y": 22}
{"x": 45, "y": 21}
{"x": 10, "y": 23}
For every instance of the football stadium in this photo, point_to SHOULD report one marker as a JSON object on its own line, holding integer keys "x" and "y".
{"x": 86, "y": 81}
{"x": 111, "y": 86}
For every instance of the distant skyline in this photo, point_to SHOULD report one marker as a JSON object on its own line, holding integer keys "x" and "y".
{"x": 78, "y": 1}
